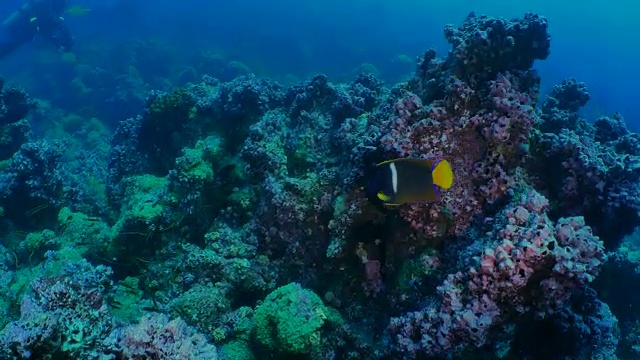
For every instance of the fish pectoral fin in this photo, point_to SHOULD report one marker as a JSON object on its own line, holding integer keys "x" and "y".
{"x": 382, "y": 196}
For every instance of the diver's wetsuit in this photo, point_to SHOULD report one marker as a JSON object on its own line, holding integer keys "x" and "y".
{"x": 36, "y": 18}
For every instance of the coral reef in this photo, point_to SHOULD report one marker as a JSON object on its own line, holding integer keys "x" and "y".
{"x": 530, "y": 270}
{"x": 230, "y": 218}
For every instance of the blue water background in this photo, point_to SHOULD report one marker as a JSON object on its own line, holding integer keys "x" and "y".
{"x": 594, "y": 41}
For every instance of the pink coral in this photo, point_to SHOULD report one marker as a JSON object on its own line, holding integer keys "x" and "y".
{"x": 527, "y": 246}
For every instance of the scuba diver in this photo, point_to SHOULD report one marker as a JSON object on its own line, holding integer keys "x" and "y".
{"x": 36, "y": 20}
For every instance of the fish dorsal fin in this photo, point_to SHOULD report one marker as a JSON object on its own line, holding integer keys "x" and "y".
{"x": 424, "y": 162}
{"x": 386, "y": 162}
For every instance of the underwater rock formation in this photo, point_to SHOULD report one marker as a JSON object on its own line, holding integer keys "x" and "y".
{"x": 14, "y": 128}
{"x": 588, "y": 169}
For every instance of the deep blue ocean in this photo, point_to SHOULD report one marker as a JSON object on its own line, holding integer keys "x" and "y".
{"x": 591, "y": 40}
{"x": 319, "y": 180}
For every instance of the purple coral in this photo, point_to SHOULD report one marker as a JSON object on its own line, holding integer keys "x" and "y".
{"x": 341, "y": 102}
{"x": 611, "y": 129}
{"x": 156, "y": 338}
{"x": 248, "y": 97}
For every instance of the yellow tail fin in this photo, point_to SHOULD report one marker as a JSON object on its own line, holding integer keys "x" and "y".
{"x": 443, "y": 174}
